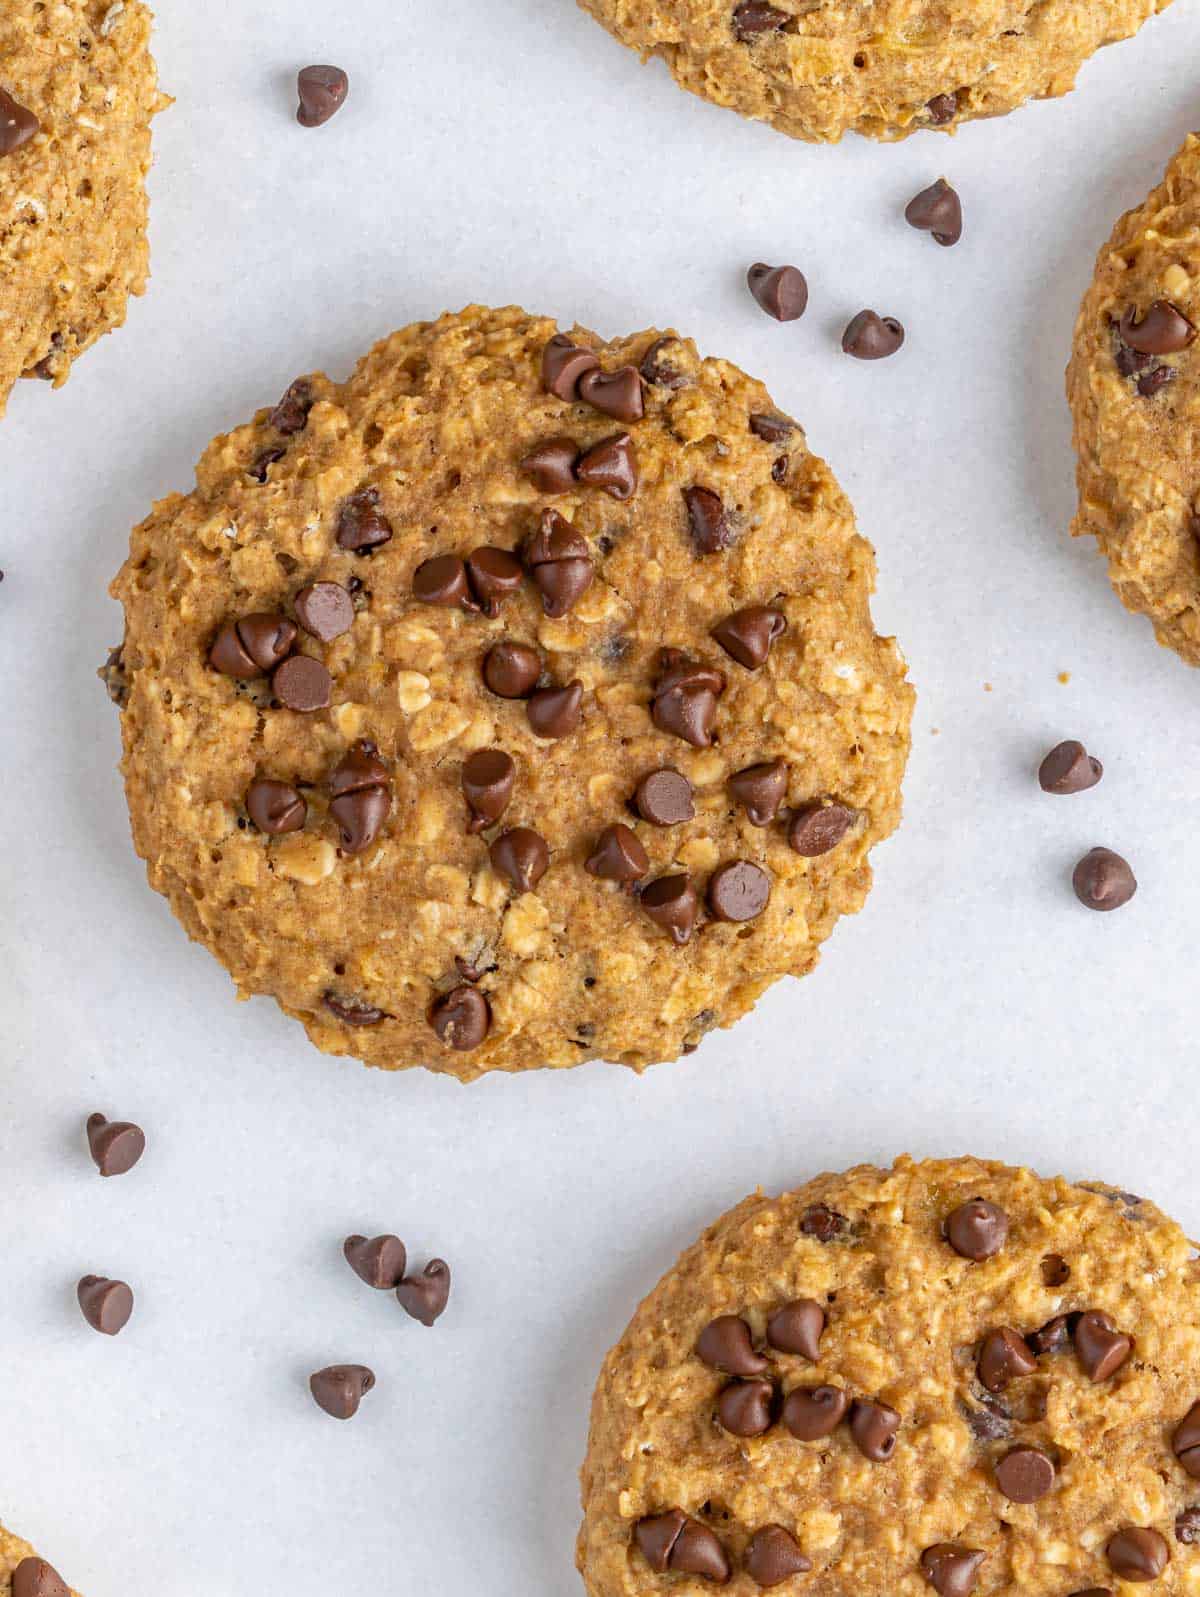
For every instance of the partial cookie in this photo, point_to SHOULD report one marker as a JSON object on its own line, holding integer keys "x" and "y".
{"x": 816, "y": 69}
{"x": 951, "y": 1376}
{"x": 1134, "y": 388}
{"x": 24, "y": 1574}
{"x": 515, "y": 703}
{"x": 77, "y": 92}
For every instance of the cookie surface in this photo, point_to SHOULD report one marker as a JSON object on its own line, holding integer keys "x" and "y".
{"x": 816, "y": 69}
{"x": 77, "y": 92}
{"x": 964, "y": 1461}
{"x": 1134, "y": 389}
{"x": 24, "y": 1574}
{"x": 403, "y": 917}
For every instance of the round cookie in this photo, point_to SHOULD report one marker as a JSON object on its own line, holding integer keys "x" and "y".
{"x": 1134, "y": 388}
{"x": 948, "y": 1377}
{"x": 24, "y": 1574}
{"x": 609, "y": 733}
{"x": 816, "y": 69}
{"x": 77, "y": 92}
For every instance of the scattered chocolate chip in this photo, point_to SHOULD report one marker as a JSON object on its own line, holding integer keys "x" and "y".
{"x": 493, "y": 574}
{"x": 1053, "y": 1337}
{"x": 1024, "y": 1475}
{"x": 1185, "y": 1441}
{"x": 563, "y": 364}
{"x": 951, "y": 1569}
{"x": 291, "y": 413}
{"x": 360, "y": 787}
{"x": 1003, "y": 1356}
{"x": 113, "y": 674}
{"x": 488, "y": 778}
{"x": 1152, "y": 382}
{"x": 618, "y": 856}
{"x": 873, "y": 1427}
{"x": 34, "y": 1577}
{"x": 17, "y": 124}
{"x": 988, "y": 1421}
{"x": 551, "y": 466}
{"x": 1099, "y": 1346}
{"x": 559, "y": 563}
{"x": 738, "y": 891}
{"x": 612, "y": 465}
{"x": 379, "y": 1261}
{"x": 1129, "y": 362}
{"x": 362, "y": 526}
{"x": 461, "y": 1018}
{"x": 325, "y": 610}
{"x": 1068, "y": 768}
{"x": 774, "y": 1556}
{"x": 747, "y": 634}
{"x": 664, "y": 798}
{"x": 823, "y": 1223}
{"x": 698, "y": 1552}
{"x": 772, "y": 428}
{"x": 1055, "y": 1270}
{"x": 341, "y": 1388}
{"x": 656, "y": 1535}
{"x": 977, "y": 1229}
{"x": 106, "y": 1304}
{"x": 617, "y": 394}
{"x": 656, "y": 371}
{"x": 797, "y": 1328}
{"x": 752, "y": 17}
{"x": 813, "y": 1412}
{"x": 116, "y": 1145}
{"x": 511, "y": 670}
{"x": 685, "y": 698}
{"x": 322, "y": 92}
{"x": 671, "y": 902}
{"x": 424, "y": 1297}
{"x": 760, "y": 790}
{"x": 942, "y": 108}
{"x": 781, "y": 291}
{"x": 1136, "y": 1554}
{"x": 744, "y": 1407}
{"x": 726, "y": 1344}
{"x": 1187, "y": 1525}
{"x": 262, "y": 464}
{"x": 1164, "y": 330}
{"x": 520, "y": 855}
{"x": 710, "y": 526}
{"x": 936, "y": 210}
{"x": 555, "y": 712}
{"x": 1103, "y": 880}
{"x": 353, "y": 1011}
{"x": 872, "y": 337}
{"x": 302, "y": 684}
{"x": 252, "y": 646}
{"x": 779, "y": 469}
{"x": 443, "y": 581}
{"x": 816, "y": 828}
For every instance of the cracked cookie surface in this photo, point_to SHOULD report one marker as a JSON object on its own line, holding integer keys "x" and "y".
{"x": 1034, "y": 1357}
{"x": 816, "y": 69}
{"x": 432, "y": 858}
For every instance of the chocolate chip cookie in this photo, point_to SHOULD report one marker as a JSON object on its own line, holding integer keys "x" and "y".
{"x": 818, "y": 68}
{"x": 77, "y": 92}
{"x": 512, "y": 704}
{"x": 24, "y": 1574}
{"x": 951, "y": 1376}
{"x": 1134, "y": 387}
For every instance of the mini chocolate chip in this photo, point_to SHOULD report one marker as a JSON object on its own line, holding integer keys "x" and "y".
{"x": 262, "y": 464}
{"x": 325, "y": 610}
{"x": 664, "y": 798}
{"x": 461, "y": 1018}
{"x": 936, "y": 210}
{"x": 362, "y": 526}
{"x": 520, "y": 855}
{"x": 1099, "y": 1346}
{"x": 710, "y": 526}
{"x": 106, "y": 1305}
{"x": 1137, "y": 1554}
{"x": 774, "y": 1556}
{"x": 951, "y": 1569}
{"x": 816, "y": 828}
{"x": 1152, "y": 382}
{"x": 656, "y": 371}
{"x": 869, "y": 336}
{"x": 17, "y": 124}
{"x": 511, "y": 670}
{"x": 977, "y": 1229}
{"x": 252, "y": 646}
{"x": 443, "y": 581}
{"x": 738, "y": 891}
{"x": 1163, "y": 330}
{"x": 353, "y": 1011}
{"x": 361, "y": 796}
{"x": 563, "y": 363}
{"x": 772, "y": 428}
{"x": 302, "y": 684}
{"x": 1024, "y": 1475}
{"x": 424, "y": 1297}
{"x": 752, "y": 17}
{"x": 115, "y": 1145}
{"x": 1068, "y": 768}
{"x": 618, "y": 856}
{"x": 1103, "y": 880}
{"x": 34, "y": 1577}
{"x": 671, "y": 902}
{"x": 781, "y": 291}
{"x": 493, "y": 574}
{"x": 726, "y": 1344}
{"x": 617, "y": 394}
{"x": 1185, "y": 1441}
{"x": 1187, "y": 1525}
{"x": 1003, "y": 1356}
{"x": 559, "y": 563}
{"x": 1055, "y": 1270}
{"x": 555, "y": 712}
{"x": 813, "y": 1412}
{"x": 797, "y": 1328}
{"x": 612, "y": 465}
{"x": 760, "y": 790}
{"x": 551, "y": 466}
{"x": 379, "y": 1261}
{"x": 1053, "y": 1337}
{"x": 291, "y": 413}
{"x": 322, "y": 91}
{"x": 942, "y": 108}
{"x": 656, "y": 1535}
{"x": 823, "y": 1223}
{"x": 747, "y": 634}
{"x": 779, "y": 469}
{"x": 340, "y": 1388}
{"x": 488, "y": 778}
{"x": 685, "y": 698}
{"x": 698, "y": 1552}
{"x": 275, "y": 807}
{"x": 873, "y": 1427}
{"x": 744, "y": 1407}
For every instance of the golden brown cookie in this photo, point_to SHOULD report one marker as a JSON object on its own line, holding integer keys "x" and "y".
{"x": 818, "y": 68}
{"x": 1134, "y": 388}
{"x": 77, "y": 92}
{"x": 950, "y": 1377}
{"x": 24, "y": 1574}
{"x": 515, "y": 703}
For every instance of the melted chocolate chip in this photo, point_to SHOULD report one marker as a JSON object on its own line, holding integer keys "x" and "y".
{"x": 559, "y": 563}
{"x": 275, "y": 807}
{"x": 563, "y": 363}
{"x": 1163, "y": 330}
{"x": 461, "y": 1018}
{"x": 353, "y": 1011}
{"x": 362, "y": 526}
{"x": 710, "y": 527}
{"x": 685, "y": 698}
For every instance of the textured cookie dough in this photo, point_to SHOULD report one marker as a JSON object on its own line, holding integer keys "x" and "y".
{"x": 430, "y": 434}
{"x": 906, "y": 1314}
{"x": 1137, "y": 414}
{"x": 72, "y": 197}
{"x": 818, "y": 68}
{"x": 33, "y": 1580}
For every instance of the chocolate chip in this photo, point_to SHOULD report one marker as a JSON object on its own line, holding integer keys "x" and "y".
{"x": 511, "y": 670}
{"x": 873, "y": 1427}
{"x": 34, "y": 1577}
{"x": 823, "y": 1223}
{"x": 106, "y": 1304}
{"x": 113, "y": 674}
{"x": 379, "y": 1261}
{"x": 951, "y": 1569}
{"x": 612, "y": 465}
{"x": 443, "y": 581}
{"x": 1187, "y": 1525}
{"x": 563, "y": 364}
{"x": 797, "y": 1328}
{"x": 685, "y": 698}
{"x": 493, "y": 574}
{"x": 353, "y": 1011}
{"x": 17, "y": 124}
{"x": 1099, "y": 1346}
{"x": 658, "y": 372}
{"x": 488, "y": 777}
{"x": 977, "y": 1229}
{"x": 361, "y": 796}
{"x": 617, "y": 394}
{"x": 1163, "y": 330}
{"x": 1152, "y": 382}
{"x": 1185, "y": 1441}
{"x": 813, "y": 1412}
{"x": 1003, "y": 1356}
{"x": 1136, "y": 1554}
{"x": 872, "y": 337}
{"x": 771, "y": 428}
{"x": 656, "y": 1535}
{"x": 942, "y": 108}
{"x": 710, "y": 526}
{"x": 744, "y": 1407}
{"x": 461, "y": 1018}
{"x": 1093, "y": 1591}
{"x": 1103, "y": 880}
{"x": 1068, "y": 768}
{"x": 559, "y": 563}
{"x": 671, "y": 902}
{"x": 1024, "y": 1475}
{"x": 291, "y": 413}
{"x": 752, "y": 17}
{"x": 520, "y": 855}
{"x": 341, "y": 1388}
{"x": 936, "y": 210}
{"x": 1055, "y": 1270}
{"x": 779, "y": 470}
{"x": 325, "y": 610}
{"x": 747, "y": 634}
{"x": 726, "y": 1344}
{"x": 424, "y": 1297}
{"x": 1053, "y": 1337}
{"x": 698, "y": 1552}
{"x": 781, "y": 291}
{"x": 322, "y": 91}
{"x": 555, "y": 712}
{"x": 618, "y": 856}
{"x": 116, "y": 1145}
{"x": 760, "y": 790}
{"x": 302, "y": 684}
{"x": 262, "y": 464}
{"x": 773, "y": 1556}
{"x": 664, "y": 798}
{"x": 362, "y": 526}
{"x": 551, "y": 466}
{"x": 1129, "y": 362}
{"x": 988, "y": 1421}
{"x": 252, "y": 646}
{"x": 816, "y": 828}
{"x": 738, "y": 891}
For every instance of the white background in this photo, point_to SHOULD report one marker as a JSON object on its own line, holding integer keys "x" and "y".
{"x": 508, "y": 150}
